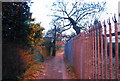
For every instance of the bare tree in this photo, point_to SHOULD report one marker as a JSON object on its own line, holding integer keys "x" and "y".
{"x": 54, "y": 33}
{"x": 56, "y": 28}
{"x": 76, "y": 16}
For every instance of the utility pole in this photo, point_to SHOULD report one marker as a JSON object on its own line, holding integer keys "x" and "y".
{"x": 54, "y": 43}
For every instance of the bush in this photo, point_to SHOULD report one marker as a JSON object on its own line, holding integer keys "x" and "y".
{"x": 11, "y": 61}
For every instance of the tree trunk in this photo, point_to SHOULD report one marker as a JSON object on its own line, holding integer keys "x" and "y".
{"x": 54, "y": 45}
{"x": 77, "y": 29}
{"x": 74, "y": 23}
{"x": 54, "y": 48}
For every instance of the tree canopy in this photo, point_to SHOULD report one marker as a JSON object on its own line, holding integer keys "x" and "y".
{"x": 15, "y": 18}
{"x": 76, "y": 14}
{"x": 36, "y": 36}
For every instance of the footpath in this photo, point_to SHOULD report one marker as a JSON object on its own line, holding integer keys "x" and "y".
{"x": 56, "y": 67}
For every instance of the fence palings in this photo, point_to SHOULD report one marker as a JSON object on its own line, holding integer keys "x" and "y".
{"x": 92, "y": 39}
{"x": 105, "y": 51}
{"x": 110, "y": 48}
{"x": 91, "y": 53}
{"x": 95, "y": 53}
{"x": 101, "y": 49}
{"x": 116, "y": 45}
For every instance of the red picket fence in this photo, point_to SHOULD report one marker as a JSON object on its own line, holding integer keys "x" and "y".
{"x": 92, "y": 55}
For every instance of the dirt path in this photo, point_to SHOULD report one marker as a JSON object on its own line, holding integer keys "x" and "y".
{"x": 55, "y": 68}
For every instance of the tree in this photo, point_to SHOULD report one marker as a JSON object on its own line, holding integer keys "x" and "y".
{"x": 56, "y": 27}
{"x": 36, "y": 36}
{"x": 53, "y": 34}
{"x": 77, "y": 15}
{"x": 68, "y": 37}
{"x": 15, "y": 18}
{"x": 15, "y": 29}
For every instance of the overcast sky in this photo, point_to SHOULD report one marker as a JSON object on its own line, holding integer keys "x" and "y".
{"x": 41, "y": 8}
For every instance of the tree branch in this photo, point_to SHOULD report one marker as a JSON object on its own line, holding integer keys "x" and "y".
{"x": 81, "y": 16}
{"x": 67, "y": 25}
{"x": 84, "y": 12}
{"x": 72, "y": 8}
{"x": 66, "y": 29}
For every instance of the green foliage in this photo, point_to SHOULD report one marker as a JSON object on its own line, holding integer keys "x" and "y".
{"x": 11, "y": 62}
{"x": 17, "y": 33}
{"x": 36, "y": 36}
{"x": 15, "y": 18}
{"x": 48, "y": 43}
{"x": 15, "y": 29}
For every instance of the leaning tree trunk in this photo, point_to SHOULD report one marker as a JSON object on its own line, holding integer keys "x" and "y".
{"x": 77, "y": 29}
{"x": 74, "y": 23}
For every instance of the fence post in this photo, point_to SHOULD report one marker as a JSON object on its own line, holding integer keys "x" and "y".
{"x": 89, "y": 42}
{"x": 105, "y": 51}
{"x": 116, "y": 45}
{"x": 101, "y": 51}
{"x": 87, "y": 54}
{"x": 96, "y": 65}
{"x": 110, "y": 30}
{"x": 86, "y": 65}
{"x": 98, "y": 50}
{"x": 92, "y": 38}
{"x": 90, "y": 53}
